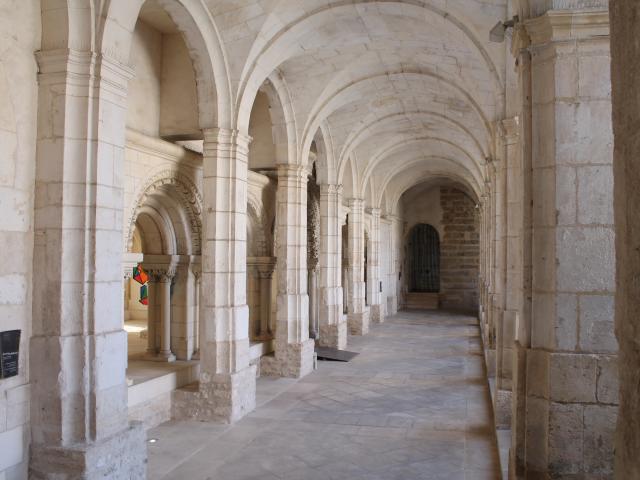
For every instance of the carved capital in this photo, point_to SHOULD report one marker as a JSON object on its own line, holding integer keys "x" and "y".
{"x": 263, "y": 266}
{"x": 330, "y": 189}
{"x": 196, "y": 270}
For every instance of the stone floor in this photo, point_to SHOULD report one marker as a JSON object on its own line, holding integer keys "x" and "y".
{"x": 413, "y": 405}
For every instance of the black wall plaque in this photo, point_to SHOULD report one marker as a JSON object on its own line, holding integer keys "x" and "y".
{"x": 9, "y": 348}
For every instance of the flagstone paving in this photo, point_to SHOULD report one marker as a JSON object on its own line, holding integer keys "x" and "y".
{"x": 413, "y": 405}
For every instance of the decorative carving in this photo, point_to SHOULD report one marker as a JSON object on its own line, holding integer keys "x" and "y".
{"x": 189, "y": 197}
{"x": 313, "y": 225}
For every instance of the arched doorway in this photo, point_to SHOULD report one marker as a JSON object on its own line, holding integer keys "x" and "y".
{"x": 424, "y": 259}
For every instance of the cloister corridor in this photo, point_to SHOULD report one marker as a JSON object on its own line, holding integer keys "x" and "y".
{"x": 414, "y": 404}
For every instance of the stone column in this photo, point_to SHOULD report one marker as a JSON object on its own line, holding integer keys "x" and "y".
{"x": 294, "y": 350}
{"x": 314, "y": 327}
{"x": 376, "y": 307}
{"x": 196, "y": 270}
{"x": 152, "y": 317}
{"x": 77, "y": 365}
{"x": 358, "y": 314}
{"x": 333, "y": 328}
{"x": 572, "y": 392}
{"x": 164, "y": 282}
{"x": 227, "y": 382}
{"x": 265, "y": 273}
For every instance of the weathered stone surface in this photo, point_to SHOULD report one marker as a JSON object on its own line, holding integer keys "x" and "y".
{"x": 136, "y": 136}
{"x": 121, "y": 457}
{"x": 223, "y": 398}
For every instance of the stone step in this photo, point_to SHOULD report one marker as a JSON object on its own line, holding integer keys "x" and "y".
{"x": 422, "y": 301}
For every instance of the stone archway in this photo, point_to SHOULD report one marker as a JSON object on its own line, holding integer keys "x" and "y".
{"x": 164, "y": 235}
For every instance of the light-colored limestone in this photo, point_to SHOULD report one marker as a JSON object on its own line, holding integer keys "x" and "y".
{"x": 134, "y": 137}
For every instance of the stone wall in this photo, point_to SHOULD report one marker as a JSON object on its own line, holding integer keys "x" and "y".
{"x": 19, "y": 38}
{"x": 459, "y": 251}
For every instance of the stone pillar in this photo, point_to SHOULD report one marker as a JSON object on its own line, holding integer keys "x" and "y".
{"x": 77, "y": 353}
{"x": 625, "y": 78}
{"x": 152, "y": 317}
{"x": 358, "y": 313}
{"x": 504, "y": 335}
{"x": 520, "y": 246}
{"x": 333, "y": 328}
{"x": 161, "y": 270}
{"x": 571, "y": 402}
{"x": 376, "y": 307}
{"x": 294, "y": 350}
{"x": 227, "y": 389}
{"x": 392, "y": 296}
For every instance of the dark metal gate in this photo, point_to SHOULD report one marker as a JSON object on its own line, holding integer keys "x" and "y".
{"x": 425, "y": 259}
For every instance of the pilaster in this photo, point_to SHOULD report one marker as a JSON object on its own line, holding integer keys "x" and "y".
{"x": 227, "y": 382}
{"x": 569, "y": 414}
{"x": 294, "y": 350}
{"x": 358, "y": 313}
{"x": 77, "y": 360}
{"x": 374, "y": 282}
{"x": 333, "y": 328}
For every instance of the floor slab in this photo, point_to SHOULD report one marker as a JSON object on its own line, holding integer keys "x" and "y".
{"x": 413, "y": 405}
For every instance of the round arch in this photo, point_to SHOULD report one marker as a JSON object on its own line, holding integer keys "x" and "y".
{"x": 179, "y": 195}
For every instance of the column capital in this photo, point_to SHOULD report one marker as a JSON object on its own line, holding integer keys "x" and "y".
{"x": 330, "y": 189}
{"x": 264, "y": 266}
{"x": 78, "y": 66}
{"x": 569, "y": 24}
{"x": 520, "y": 40}
{"x": 196, "y": 269}
{"x": 218, "y": 137}
{"x": 163, "y": 275}
{"x": 375, "y": 212}
{"x": 355, "y": 202}
{"x": 160, "y": 272}
{"x": 510, "y": 129}
{"x": 293, "y": 170}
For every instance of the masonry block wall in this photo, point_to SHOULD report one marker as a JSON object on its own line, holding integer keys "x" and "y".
{"x": 19, "y": 37}
{"x": 459, "y": 251}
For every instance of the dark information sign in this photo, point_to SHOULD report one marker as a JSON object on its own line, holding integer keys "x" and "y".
{"x": 9, "y": 348}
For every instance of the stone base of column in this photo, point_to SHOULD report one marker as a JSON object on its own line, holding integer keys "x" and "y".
{"x": 490, "y": 360}
{"x": 502, "y": 408}
{"x": 392, "y": 305}
{"x": 376, "y": 313}
{"x": 160, "y": 357}
{"x": 334, "y": 336}
{"x": 120, "y": 457}
{"x": 221, "y": 398}
{"x": 358, "y": 323}
{"x": 293, "y": 360}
